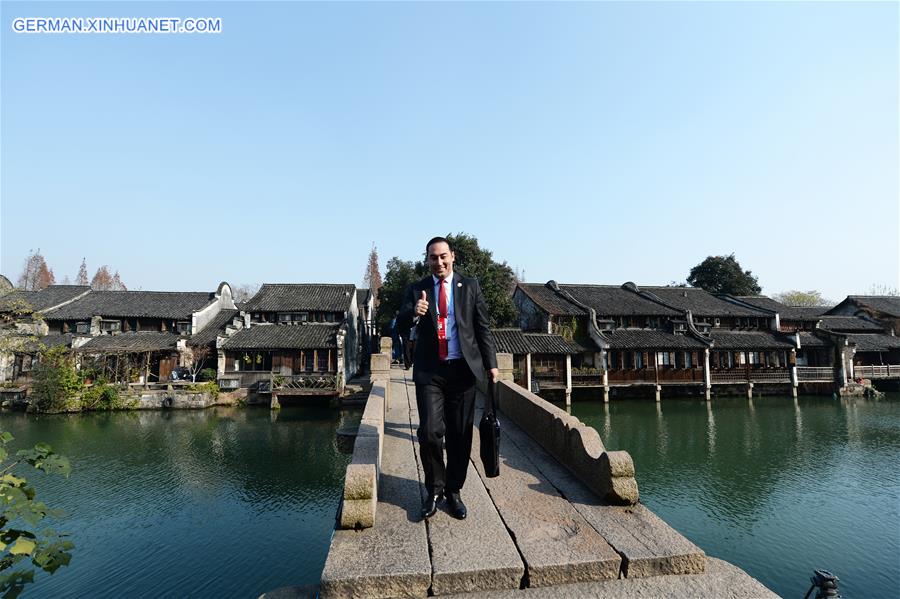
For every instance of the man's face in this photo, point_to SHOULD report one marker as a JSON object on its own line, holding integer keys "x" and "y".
{"x": 440, "y": 259}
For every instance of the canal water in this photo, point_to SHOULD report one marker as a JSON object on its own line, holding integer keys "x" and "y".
{"x": 777, "y": 486}
{"x": 212, "y": 503}
{"x": 236, "y": 502}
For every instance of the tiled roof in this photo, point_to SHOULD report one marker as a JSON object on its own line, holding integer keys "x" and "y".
{"x": 613, "y": 300}
{"x": 810, "y": 340}
{"x": 514, "y": 341}
{"x": 550, "y": 301}
{"x": 214, "y": 328}
{"x": 128, "y": 304}
{"x": 131, "y": 342}
{"x": 278, "y": 297}
{"x": 650, "y": 339}
{"x": 701, "y": 302}
{"x": 750, "y": 340}
{"x": 874, "y": 342}
{"x": 277, "y": 336}
{"x": 545, "y": 343}
{"x": 43, "y": 299}
{"x": 785, "y": 312}
{"x": 511, "y": 341}
{"x": 849, "y": 324}
{"x": 888, "y": 304}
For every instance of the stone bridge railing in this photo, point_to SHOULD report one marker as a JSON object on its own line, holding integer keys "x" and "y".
{"x": 361, "y": 480}
{"x": 575, "y": 445}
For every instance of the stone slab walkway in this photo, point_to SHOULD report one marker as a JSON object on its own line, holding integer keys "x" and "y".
{"x": 534, "y": 531}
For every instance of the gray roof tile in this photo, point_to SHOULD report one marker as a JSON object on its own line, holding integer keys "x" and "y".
{"x": 701, "y": 303}
{"x": 752, "y": 340}
{"x": 277, "y": 336}
{"x": 874, "y": 342}
{"x": 131, "y": 342}
{"x": 650, "y": 339}
{"x": 130, "y": 304}
{"x": 214, "y": 328}
{"x": 42, "y": 300}
{"x": 284, "y": 297}
{"x": 849, "y": 324}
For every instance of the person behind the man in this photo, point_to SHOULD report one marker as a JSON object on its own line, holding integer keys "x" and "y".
{"x": 454, "y": 347}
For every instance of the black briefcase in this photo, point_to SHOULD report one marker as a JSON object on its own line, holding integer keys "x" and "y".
{"x": 489, "y": 431}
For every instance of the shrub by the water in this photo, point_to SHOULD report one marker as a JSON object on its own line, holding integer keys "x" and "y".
{"x": 207, "y": 374}
{"x": 56, "y": 381}
{"x": 101, "y": 396}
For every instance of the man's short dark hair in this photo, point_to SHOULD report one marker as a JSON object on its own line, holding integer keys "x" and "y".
{"x": 435, "y": 240}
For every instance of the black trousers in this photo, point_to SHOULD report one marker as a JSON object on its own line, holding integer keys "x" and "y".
{"x": 446, "y": 412}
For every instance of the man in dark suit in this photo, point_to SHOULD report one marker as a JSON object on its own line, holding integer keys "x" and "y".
{"x": 454, "y": 348}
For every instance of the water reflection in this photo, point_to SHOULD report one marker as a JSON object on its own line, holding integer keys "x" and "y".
{"x": 777, "y": 485}
{"x": 224, "y": 502}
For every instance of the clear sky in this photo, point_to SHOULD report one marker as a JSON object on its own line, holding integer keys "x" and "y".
{"x": 583, "y": 142}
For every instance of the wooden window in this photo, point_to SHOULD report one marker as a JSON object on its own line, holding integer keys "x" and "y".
{"x": 638, "y": 360}
{"x": 323, "y": 360}
{"x": 662, "y": 358}
{"x": 83, "y": 327}
{"x": 310, "y": 361}
{"x": 183, "y": 328}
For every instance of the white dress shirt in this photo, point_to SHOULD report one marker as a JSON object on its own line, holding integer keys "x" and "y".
{"x": 453, "y": 351}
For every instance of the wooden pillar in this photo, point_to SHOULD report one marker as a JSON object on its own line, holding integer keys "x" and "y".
{"x": 749, "y": 390}
{"x": 658, "y": 393}
{"x": 707, "y": 377}
{"x": 793, "y": 370}
{"x": 528, "y": 371}
{"x": 656, "y": 368}
{"x": 568, "y": 379}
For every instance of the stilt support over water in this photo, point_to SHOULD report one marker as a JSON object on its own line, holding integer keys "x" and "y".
{"x": 659, "y": 393}
{"x": 749, "y": 390}
{"x": 794, "y": 391}
{"x": 708, "y": 393}
{"x": 605, "y": 394}
{"x": 274, "y": 403}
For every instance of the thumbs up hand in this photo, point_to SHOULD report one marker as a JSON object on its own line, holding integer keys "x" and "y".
{"x": 421, "y": 305}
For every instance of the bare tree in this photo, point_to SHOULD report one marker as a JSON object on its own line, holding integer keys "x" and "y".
{"x": 199, "y": 355}
{"x": 244, "y": 292}
{"x": 103, "y": 281}
{"x": 372, "y": 278}
{"x": 35, "y": 273}
{"x": 82, "y": 274}
{"x": 882, "y": 289}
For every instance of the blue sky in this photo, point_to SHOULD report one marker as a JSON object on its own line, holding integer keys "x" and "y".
{"x": 584, "y": 142}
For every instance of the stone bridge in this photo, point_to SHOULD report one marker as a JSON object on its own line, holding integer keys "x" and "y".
{"x": 563, "y": 519}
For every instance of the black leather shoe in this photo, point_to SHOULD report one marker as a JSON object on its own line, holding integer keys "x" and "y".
{"x": 456, "y": 506}
{"x": 431, "y": 505}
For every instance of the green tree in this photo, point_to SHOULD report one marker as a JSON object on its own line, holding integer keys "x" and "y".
{"x": 21, "y": 514}
{"x": 56, "y": 381}
{"x": 400, "y": 273}
{"x": 809, "y": 298}
{"x": 723, "y": 274}
{"x": 497, "y": 280}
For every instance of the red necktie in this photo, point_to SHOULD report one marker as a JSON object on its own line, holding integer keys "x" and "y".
{"x": 442, "y": 321}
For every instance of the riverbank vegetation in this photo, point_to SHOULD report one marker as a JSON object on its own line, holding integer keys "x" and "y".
{"x": 59, "y": 386}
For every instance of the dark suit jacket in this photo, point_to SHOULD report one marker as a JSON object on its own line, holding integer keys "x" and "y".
{"x": 472, "y": 327}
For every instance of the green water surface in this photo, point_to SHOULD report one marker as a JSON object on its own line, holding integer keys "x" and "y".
{"x": 777, "y": 486}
